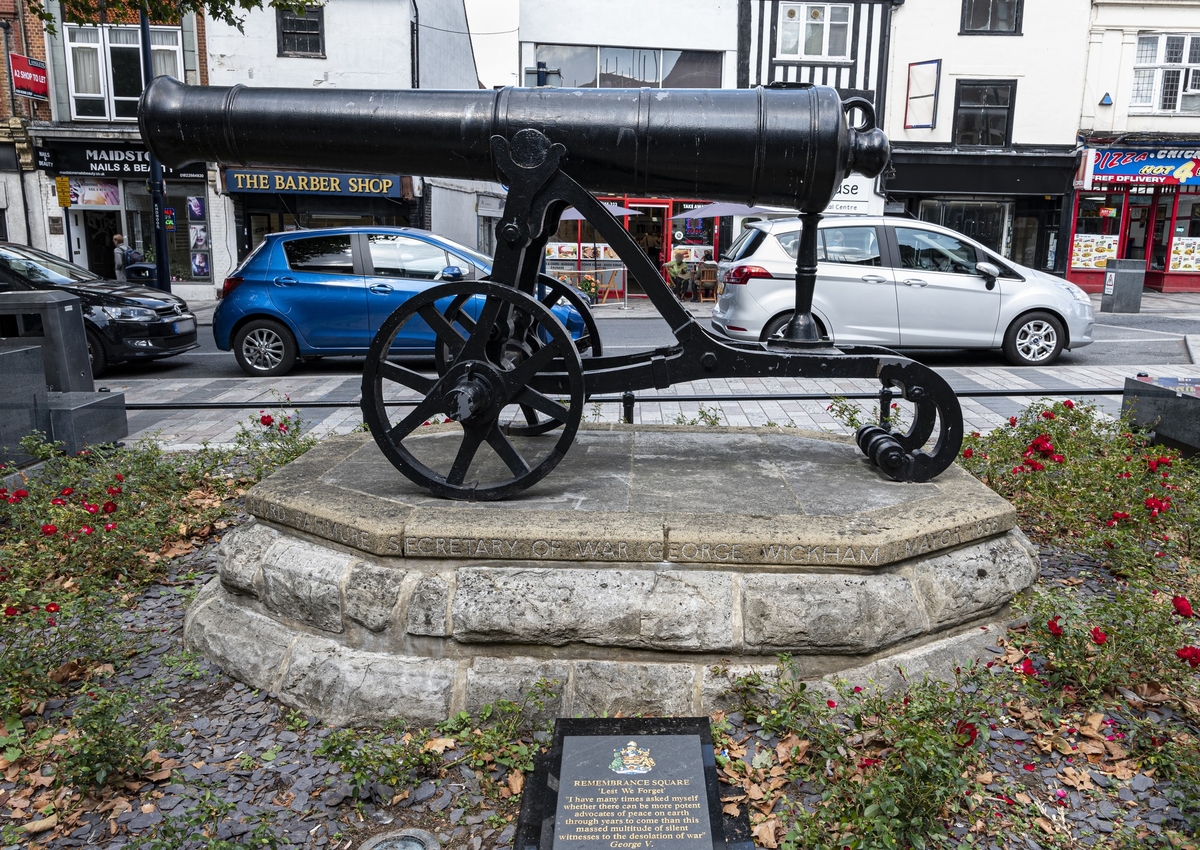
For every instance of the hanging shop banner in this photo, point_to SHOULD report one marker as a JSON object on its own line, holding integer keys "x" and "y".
{"x": 29, "y": 77}
{"x": 261, "y": 181}
{"x": 106, "y": 158}
{"x": 1178, "y": 166}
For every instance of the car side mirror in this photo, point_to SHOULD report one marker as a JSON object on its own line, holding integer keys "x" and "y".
{"x": 989, "y": 272}
{"x": 453, "y": 274}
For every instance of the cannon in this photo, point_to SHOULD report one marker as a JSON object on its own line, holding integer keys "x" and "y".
{"x": 506, "y": 369}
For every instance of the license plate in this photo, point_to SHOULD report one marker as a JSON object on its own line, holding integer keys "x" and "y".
{"x": 720, "y": 288}
{"x": 184, "y": 326}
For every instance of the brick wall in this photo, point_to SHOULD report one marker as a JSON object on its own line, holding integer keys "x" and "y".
{"x": 26, "y": 38}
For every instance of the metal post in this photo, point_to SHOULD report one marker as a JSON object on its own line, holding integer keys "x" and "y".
{"x": 162, "y": 261}
{"x": 802, "y": 329}
{"x": 67, "y": 233}
{"x": 627, "y": 406}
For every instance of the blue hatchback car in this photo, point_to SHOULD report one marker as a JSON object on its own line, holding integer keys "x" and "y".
{"x": 316, "y": 293}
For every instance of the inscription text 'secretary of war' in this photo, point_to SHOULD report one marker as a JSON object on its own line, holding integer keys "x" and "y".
{"x": 550, "y": 549}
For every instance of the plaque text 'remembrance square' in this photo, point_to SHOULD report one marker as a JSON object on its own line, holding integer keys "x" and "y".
{"x": 632, "y": 793}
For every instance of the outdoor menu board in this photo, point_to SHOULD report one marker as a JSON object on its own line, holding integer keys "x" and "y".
{"x": 1093, "y": 251}
{"x": 598, "y": 251}
{"x": 1185, "y": 254}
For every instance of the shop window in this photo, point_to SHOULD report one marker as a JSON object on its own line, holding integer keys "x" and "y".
{"x": 991, "y": 17}
{"x": 983, "y": 112}
{"x": 301, "y": 33}
{"x": 104, "y": 68}
{"x": 574, "y": 66}
{"x": 814, "y": 31}
{"x": 1166, "y": 74}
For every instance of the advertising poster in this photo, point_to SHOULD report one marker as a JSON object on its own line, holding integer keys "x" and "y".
{"x": 29, "y": 77}
{"x": 88, "y": 192}
{"x": 1093, "y": 251}
{"x": 195, "y": 204}
{"x": 198, "y": 236}
{"x": 200, "y": 267}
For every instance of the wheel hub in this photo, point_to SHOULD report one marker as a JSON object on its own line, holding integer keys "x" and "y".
{"x": 474, "y": 393}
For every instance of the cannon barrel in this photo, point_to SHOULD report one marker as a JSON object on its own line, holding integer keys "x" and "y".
{"x": 783, "y": 146}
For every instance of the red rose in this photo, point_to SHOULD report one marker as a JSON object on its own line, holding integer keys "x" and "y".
{"x": 866, "y": 763}
{"x": 114, "y": 491}
{"x": 1069, "y": 405}
{"x": 90, "y": 508}
{"x": 831, "y": 703}
{"x": 282, "y": 428}
{"x": 52, "y": 608}
{"x": 119, "y": 477}
{"x": 66, "y": 491}
{"x": 1189, "y": 654}
{"x": 1054, "y": 627}
{"x": 1098, "y": 636}
{"x": 1012, "y": 420}
{"x": 109, "y": 526}
{"x": 1027, "y": 667}
{"x": 966, "y": 733}
{"x": 58, "y": 501}
{"x": 109, "y": 507}
{"x": 968, "y": 453}
{"x": 1057, "y": 458}
{"x": 1182, "y": 607}
{"x": 49, "y": 530}
{"x": 1046, "y": 414}
{"x": 12, "y": 612}
{"x": 267, "y": 420}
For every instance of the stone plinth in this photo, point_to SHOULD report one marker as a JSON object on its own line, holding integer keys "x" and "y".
{"x": 654, "y": 563}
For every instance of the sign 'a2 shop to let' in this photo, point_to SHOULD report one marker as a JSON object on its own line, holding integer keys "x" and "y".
{"x": 29, "y": 77}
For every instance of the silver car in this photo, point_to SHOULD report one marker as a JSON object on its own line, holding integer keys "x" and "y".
{"x": 902, "y": 284}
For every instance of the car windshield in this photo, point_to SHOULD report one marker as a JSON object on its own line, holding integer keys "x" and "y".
{"x": 36, "y": 266}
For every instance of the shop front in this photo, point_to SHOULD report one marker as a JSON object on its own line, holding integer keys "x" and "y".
{"x": 1010, "y": 201}
{"x": 579, "y": 254}
{"x": 109, "y": 194}
{"x": 1138, "y": 204}
{"x": 272, "y": 201}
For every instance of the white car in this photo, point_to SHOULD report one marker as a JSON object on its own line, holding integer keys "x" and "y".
{"x": 900, "y": 283}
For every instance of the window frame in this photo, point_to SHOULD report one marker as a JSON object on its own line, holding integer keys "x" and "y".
{"x": 1160, "y": 67}
{"x": 824, "y": 58}
{"x": 1016, "y": 31}
{"x": 103, "y": 49}
{"x": 281, "y": 14}
{"x": 661, "y": 51}
{"x": 1012, "y": 104}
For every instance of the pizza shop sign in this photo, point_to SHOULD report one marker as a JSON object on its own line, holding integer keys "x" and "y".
{"x": 1178, "y": 166}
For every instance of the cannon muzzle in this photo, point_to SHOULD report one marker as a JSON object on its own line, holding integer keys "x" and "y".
{"x": 784, "y": 146}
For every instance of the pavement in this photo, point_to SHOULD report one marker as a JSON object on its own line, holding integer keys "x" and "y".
{"x": 187, "y": 429}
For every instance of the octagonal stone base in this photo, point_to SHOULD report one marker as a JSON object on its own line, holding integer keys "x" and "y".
{"x": 651, "y": 567}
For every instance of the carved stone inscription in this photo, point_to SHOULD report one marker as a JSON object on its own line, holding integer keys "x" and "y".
{"x": 634, "y": 793}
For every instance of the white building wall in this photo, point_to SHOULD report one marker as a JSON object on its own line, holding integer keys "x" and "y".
{"x": 1047, "y": 61}
{"x": 1112, "y": 50}
{"x": 674, "y": 24}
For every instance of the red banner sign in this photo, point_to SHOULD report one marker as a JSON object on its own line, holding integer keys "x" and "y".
{"x": 29, "y": 77}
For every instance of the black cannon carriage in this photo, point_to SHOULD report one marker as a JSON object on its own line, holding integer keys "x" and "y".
{"x": 507, "y": 371}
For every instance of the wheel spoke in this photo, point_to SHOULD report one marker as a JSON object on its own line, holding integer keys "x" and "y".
{"x": 445, "y": 332}
{"x": 472, "y": 438}
{"x": 482, "y": 331}
{"x": 507, "y": 452}
{"x": 406, "y": 377}
{"x": 524, "y": 371}
{"x": 531, "y": 400}
{"x": 416, "y": 418}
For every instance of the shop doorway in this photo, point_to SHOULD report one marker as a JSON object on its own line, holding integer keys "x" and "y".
{"x": 648, "y": 230}
{"x": 99, "y": 227}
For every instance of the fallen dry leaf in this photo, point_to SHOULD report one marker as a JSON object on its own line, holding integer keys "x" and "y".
{"x": 1046, "y": 826}
{"x": 1023, "y": 799}
{"x": 732, "y": 809}
{"x": 764, "y": 834}
{"x": 68, "y": 672}
{"x": 437, "y": 745}
{"x": 36, "y": 826}
{"x": 985, "y": 778}
{"x": 515, "y": 781}
{"x": 1077, "y": 779}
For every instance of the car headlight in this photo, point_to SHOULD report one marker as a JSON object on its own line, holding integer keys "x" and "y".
{"x": 1072, "y": 290}
{"x": 130, "y": 314}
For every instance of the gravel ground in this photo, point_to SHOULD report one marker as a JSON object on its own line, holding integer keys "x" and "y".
{"x": 238, "y": 743}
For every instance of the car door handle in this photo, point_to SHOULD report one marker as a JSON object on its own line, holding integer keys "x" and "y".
{"x": 285, "y": 281}
{"x": 915, "y": 281}
{"x": 874, "y": 278}
{"x": 380, "y": 288}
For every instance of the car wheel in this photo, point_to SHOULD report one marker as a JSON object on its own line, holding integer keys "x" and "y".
{"x": 97, "y": 356}
{"x": 775, "y": 327}
{"x": 1035, "y": 339}
{"x": 264, "y": 348}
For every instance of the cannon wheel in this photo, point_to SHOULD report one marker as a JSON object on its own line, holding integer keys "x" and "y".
{"x": 588, "y": 345}
{"x": 484, "y": 372}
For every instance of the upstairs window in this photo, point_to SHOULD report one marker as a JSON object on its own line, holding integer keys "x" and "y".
{"x": 104, "y": 68}
{"x": 983, "y": 113}
{"x": 586, "y": 67}
{"x": 814, "y": 31}
{"x": 1166, "y": 74}
{"x": 991, "y": 17}
{"x": 301, "y": 34}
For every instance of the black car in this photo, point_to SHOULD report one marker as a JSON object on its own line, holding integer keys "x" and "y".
{"x": 124, "y": 321}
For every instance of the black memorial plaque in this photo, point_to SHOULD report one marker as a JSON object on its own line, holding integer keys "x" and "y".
{"x": 628, "y": 784}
